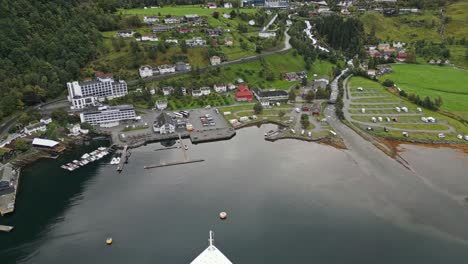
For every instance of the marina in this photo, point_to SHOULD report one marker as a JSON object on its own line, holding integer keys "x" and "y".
{"x": 87, "y": 158}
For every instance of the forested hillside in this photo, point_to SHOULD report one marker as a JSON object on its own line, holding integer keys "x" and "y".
{"x": 43, "y": 44}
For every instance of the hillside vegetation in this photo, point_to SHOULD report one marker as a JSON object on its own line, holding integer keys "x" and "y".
{"x": 434, "y": 81}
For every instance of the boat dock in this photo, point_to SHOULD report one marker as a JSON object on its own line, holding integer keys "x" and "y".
{"x": 123, "y": 159}
{"x": 8, "y": 196}
{"x": 5, "y": 228}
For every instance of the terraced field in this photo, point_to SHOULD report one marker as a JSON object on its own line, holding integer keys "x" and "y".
{"x": 380, "y": 113}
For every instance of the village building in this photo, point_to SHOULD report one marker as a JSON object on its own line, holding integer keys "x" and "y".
{"x": 265, "y": 102}
{"x": 184, "y": 30}
{"x": 228, "y": 41}
{"x": 35, "y": 128}
{"x": 46, "y": 120}
{"x": 321, "y": 82}
{"x": 243, "y": 94}
{"x": 227, "y": 5}
{"x": 215, "y": 60}
{"x": 291, "y": 76}
{"x": 161, "y": 28}
{"x": 270, "y": 94}
{"x": 145, "y": 71}
{"x": 214, "y": 32}
{"x": 108, "y": 116}
{"x": 150, "y": 19}
{"x": 220, "y": 88}
{"x": 266, "y": 34}
{"x": 161, "y": 104}
{"x": 205, "y": 90}
{"x": 211, "y": 5}
{"x": 171, "y": 20}
{"x": 231, "y": 86}
{"x": 90, "y": 93}
{"x": 164, "y": 124}
{"x": 183, "y": 66}
{"x": 168, "y": 90}
{"x": 227, "y": 15}
{"x": 148, "y": 37}
{"x": 76, "y": 130}
{"x": 183, "y": 90}
{"x": 195, "y": 42}
{"x": 191, "y": 18}
{"x": 166, "y": 68}
{"x": 280, "y": 4}
{"x": 125, "y": 34}
{"x": 196, "y": 93}
{"x": 44, "y": 143}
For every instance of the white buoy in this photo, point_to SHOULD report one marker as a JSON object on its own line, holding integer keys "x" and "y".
{"x": 223, "y": 215}
{"x": 109, "y": 241}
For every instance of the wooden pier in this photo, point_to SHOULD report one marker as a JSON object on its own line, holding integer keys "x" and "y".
{"x": 166, "y": 164}
{"x": 123, "y": 159}
{"x": 5, "y": 228}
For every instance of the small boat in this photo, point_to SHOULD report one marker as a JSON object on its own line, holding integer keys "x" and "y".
{"x": 65, "y": 167}
{"x": 223, "y": 215}
{"x": 85, "y": 156}
{"x": 109, "y": 241}
{"x": 75, "y": 161}
{"x": 102, "y": 148}
{"x": 185, "y": 147}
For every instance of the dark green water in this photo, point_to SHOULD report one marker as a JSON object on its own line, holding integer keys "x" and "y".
{"x": 288, "y": 202}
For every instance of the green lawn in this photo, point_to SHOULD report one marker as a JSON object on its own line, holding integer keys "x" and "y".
{"x": 426, "y": 80}
{"x": 458, "y": 24}
{"x": 180, "y": 10}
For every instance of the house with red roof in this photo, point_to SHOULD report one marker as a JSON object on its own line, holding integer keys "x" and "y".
{"x": 401, "y": 57}
{"x": 244, "y": 94}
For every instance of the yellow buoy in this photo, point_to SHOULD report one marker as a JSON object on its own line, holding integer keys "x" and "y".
{"x": 109, "y": 241}
{"x": 223, "y": 215}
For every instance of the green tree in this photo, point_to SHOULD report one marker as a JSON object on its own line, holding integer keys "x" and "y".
{"x": 21, "y": 145}
{"x": 305, "y": 123}
{"x": 60, "y": 116}
{"x": 258, "y": 108}
{"x": 388, "y": 83}
{"x": 310, "y": 96}
{"x": 292, "y": 96}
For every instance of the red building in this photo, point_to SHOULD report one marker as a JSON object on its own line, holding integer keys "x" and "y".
{"x": 244, "y": 94}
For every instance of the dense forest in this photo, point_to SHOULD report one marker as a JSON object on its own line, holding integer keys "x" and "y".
{"x": 44, "y": 44}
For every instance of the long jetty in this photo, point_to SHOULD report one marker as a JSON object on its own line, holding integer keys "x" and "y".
{"x": 7, "y": 200}
{"x": 172, "y": 163}
{"x": 123, "y": 159}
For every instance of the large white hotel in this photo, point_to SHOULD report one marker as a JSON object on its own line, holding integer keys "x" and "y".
{"x": 108, "y": 116}
{"x": 90, "y": 93}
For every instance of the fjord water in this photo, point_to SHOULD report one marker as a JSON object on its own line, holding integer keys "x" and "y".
{"x": 287, "y": 202}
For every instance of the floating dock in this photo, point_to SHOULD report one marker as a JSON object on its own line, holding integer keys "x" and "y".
{"x": 5, "y": 228}
{"x": 166, "y": 164}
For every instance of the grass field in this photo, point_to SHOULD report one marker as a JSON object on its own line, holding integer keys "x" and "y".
{"x": 250, "y": 72}
{"x": 426, "y": 80}
{"x": 180, "y": 10}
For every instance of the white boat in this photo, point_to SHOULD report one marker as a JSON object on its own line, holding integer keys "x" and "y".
{"x": 102, "y": 148}
{"x": 84, "y": 161}
{"x": 211, "y": 255}
{"x": 85, "y": 156}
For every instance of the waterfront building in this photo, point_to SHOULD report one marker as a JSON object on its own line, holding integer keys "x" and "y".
{"x": 34, "y": 128}
{"x": 108, "y": 116}
{"x": 44, "y": 143}
{"x": 76, "y": 130}
{"x": 164, "y": 124}
{"x": 89, "y": 93}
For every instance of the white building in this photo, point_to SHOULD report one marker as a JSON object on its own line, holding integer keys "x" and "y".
{"x": 108, "y": 116}
{"x": 215, "y": 60}
{"x": 276, "y": 3}
{"x": 166, "y": 68}
{"x": 89, "y": 93}
{"x": 220, "y": 88}
{"x": 76, "y": 130}
{"x": 34, "y": 128}
{"x": 149, "y": 37}
{"x": 168, "y": 90}
{"x": 227, "y": 5}
{"x": 124, "y": 34}
{"x": 231, "y": 86}
{"x": 46, "y": 120}
{"x": 161, "y": 104}
{"x": 150, "y": 19}
{"x": 205, "y": 90}
{"x": 196, "y": 93}
{"x": 173, "y": 41}
{"x": 171, "y": 20}
{"x": 267, "y": 34}
{"x": 146, "y": 71}
{"x": 164, "y": 124}
{"x": 195, "y": 42}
